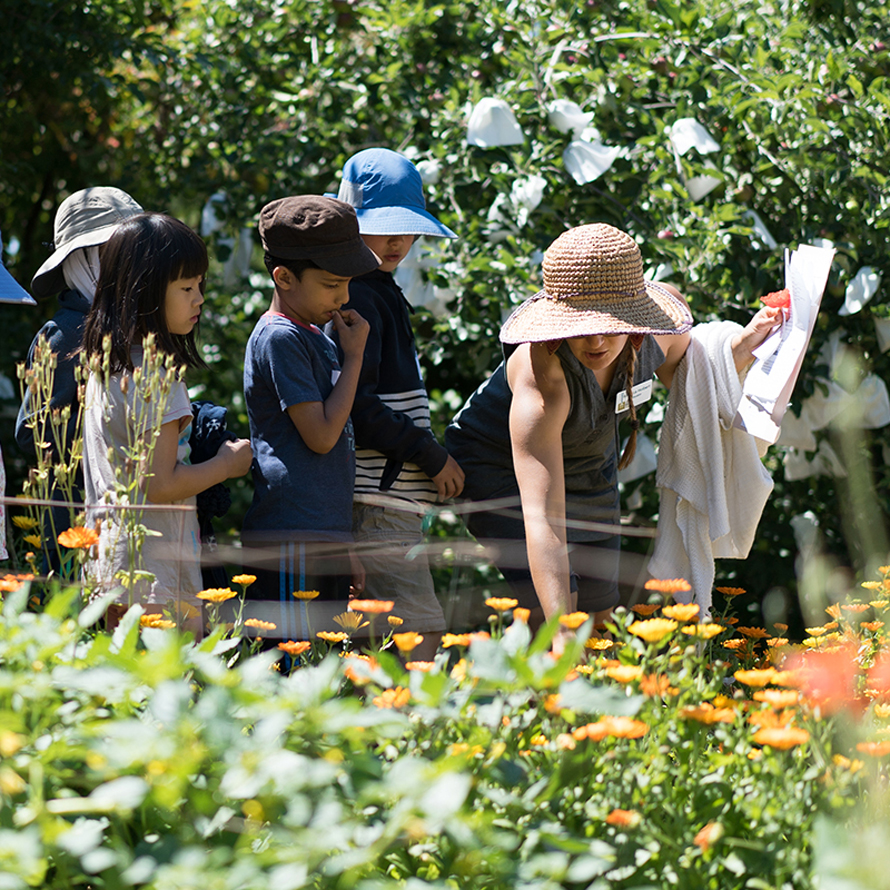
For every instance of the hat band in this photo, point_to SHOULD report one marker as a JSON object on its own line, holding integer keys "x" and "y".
{"x": 543, "y": 295}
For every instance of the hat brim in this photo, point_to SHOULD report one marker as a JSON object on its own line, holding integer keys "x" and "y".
{"x": 358, "y": 261}
{"x": 48, "y": 279}
{"x": 543, "y": 318}
{"x": 12, "y": 292}
{"x": 400, "y": 220}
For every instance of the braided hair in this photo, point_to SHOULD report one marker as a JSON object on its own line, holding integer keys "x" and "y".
{"x": 630, "y": 449}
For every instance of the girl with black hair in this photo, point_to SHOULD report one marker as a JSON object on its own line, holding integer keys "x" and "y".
{"x": 139, "y": 337}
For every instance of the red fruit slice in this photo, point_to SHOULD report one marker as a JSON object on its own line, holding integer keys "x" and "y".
{"x": 780, "y": 299}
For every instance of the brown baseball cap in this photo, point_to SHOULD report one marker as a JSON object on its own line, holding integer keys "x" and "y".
{"x": 312, "y": 227}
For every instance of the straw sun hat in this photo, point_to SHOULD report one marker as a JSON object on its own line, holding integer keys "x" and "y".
{"x": 593, "y": 284}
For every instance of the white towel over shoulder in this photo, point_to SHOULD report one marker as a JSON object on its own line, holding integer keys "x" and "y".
{"x": 711, "y": 481}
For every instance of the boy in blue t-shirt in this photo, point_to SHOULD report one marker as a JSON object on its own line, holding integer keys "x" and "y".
{"x": 298, "y": 398}
{"x": 401, "y": 469}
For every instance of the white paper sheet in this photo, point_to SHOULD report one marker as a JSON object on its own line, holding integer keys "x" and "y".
{"x": 777, "y": 361}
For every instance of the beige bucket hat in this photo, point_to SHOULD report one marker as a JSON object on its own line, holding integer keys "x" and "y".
{"x": 85, "y": 219}
{"x": 593, "y": 284}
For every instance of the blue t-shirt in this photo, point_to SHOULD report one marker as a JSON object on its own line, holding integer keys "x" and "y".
{"x": 299, "y": 494}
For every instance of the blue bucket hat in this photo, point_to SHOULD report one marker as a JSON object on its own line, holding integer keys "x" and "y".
{"x": 386, "y": 191}
{"x": 10, "y": 290}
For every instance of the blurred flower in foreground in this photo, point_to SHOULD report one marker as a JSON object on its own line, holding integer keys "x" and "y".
{"x": 407, "y": 642}
{"x": 492, "y": 123}
{"x": 372, "y": 607}
{"x": 708, "y": 836}
{"x": 707, "y": 713}
{"x": 259, "y": 624}
{"x": 623, "y": 818}
{"x": 393, "y": 698}
{"x": 422, "y": 666}
{"x": 330, "y": 636}
{"x": 668, "y": 585}
{"x": 573, "y": 620}
{"x": 781, "y": 737}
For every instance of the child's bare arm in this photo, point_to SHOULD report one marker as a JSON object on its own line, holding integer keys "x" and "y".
{"x": 320, "y": 424}
{"x": 168, "y": 481}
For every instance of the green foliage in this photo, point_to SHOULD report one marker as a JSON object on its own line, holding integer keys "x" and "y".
{"x": 138, "y": 759}
{"x": 182, "y": 101}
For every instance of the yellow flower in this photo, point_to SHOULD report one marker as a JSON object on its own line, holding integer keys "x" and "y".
{"x": 244, "y": 580}
{"x": 395, "y": 621}
{"x": 781, "y": 737}
{"x": 259, "y": 624}
{"x": 573, "y": 620}
{"x": 216, "y": 594}
{"x": 668, "y": 585}
{"x": 501, "y": 603}
{"x": 882, "y": 711}
{"x": 34, "y": 541}
{"x": 834, "y": 611}
{"x": 735, "y": 644}
{"x": 306, "y": 594}
{"x": 157, "y": 620}
{"x": 423, "y": 666}
{"x": 24, "y": 522}
{"x": 598, "y": 644}
{"x": 654, "y": 630}
{"x": 879, "y": 604}
{"x": 845, "y": 763}
{"x": 704, "y": 631}
{"x": 520, "y": 614}
{"x": 331, "y": 636}
{"x": 393, "y": 698}
{"x": 449, "y": 640}
{"x": 681, "y": 611}
{"x": 656, "y": 685}
{"x": 408, "y": 641}
{"x": 872, "y": 585}
{"x": 816, "y": 631}
{"x": 777, "y": 642}
{"x": 351, "y": 621}
{"x": 756, "y": 678}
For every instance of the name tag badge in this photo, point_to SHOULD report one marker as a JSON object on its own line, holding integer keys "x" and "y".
{"x": 642, "y": 392}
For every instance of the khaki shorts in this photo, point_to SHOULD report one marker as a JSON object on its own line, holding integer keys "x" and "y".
{"x": 387, "y": 544}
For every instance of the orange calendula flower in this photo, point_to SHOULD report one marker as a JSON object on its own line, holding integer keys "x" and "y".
{"x": 777, "y": 698}
{"x": 408, "y": 641}
{"x": 397, "y": 697}
{"x": 668, "y": 585}
{"x": 816, "y": 631}
{"x": 874, "y": 749}
{"x": 726, "y": 619}
{"x": 781, "y": 628}
{"x": 777, "y": 642}
{"x": 645, "y": 609}
{"x": 653, "y": 630}
{"x": 449, "y": 640}
{"x": 372, "y": 607}
{"x": 624, "y": 673}
{"x": 855, "y": 607}
{"x": 520, "y": 614}
{"x": 330, "y": 636}
{"x": 552, "y": 703}
{"x": 708, "y": 836}
{"x": 306, "y": 594}
{"x": 756, "y": 678}
{"x": 11, "y": 583}
{"x": 703, "y": 631}
{"x": 573, "y": 620}
{"x": 478, "y": 635}
{"x": 731, "y": 591}
{"x": 395, "y": 621}
{"x": 656, "y": 685}
{"x": 501, "y": 603}
{"x": 421, "y": 666}
{"x": 619, "y": 727}
{"x": 151, "y": 619}
{"x": 753, "y": 633}
{"x": 781, "y": 737}
{"x": 78, "y": 538}
{"x": 244, "y": 580}
{"x": 834, "y": 611}
{"x": 598, "y": 644}
{"x": 681, "y": 611}
{"x": 707, "y": 713}
{"x": 358, "y": 668}
{"x": 216, "y": 594}
{"x": 259, "y": 624}
{"x": 623, "y": 818}
{"x": 735, "y": 644}
{"x": 871, "y": 625}
{"x": 294, "y": 648}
